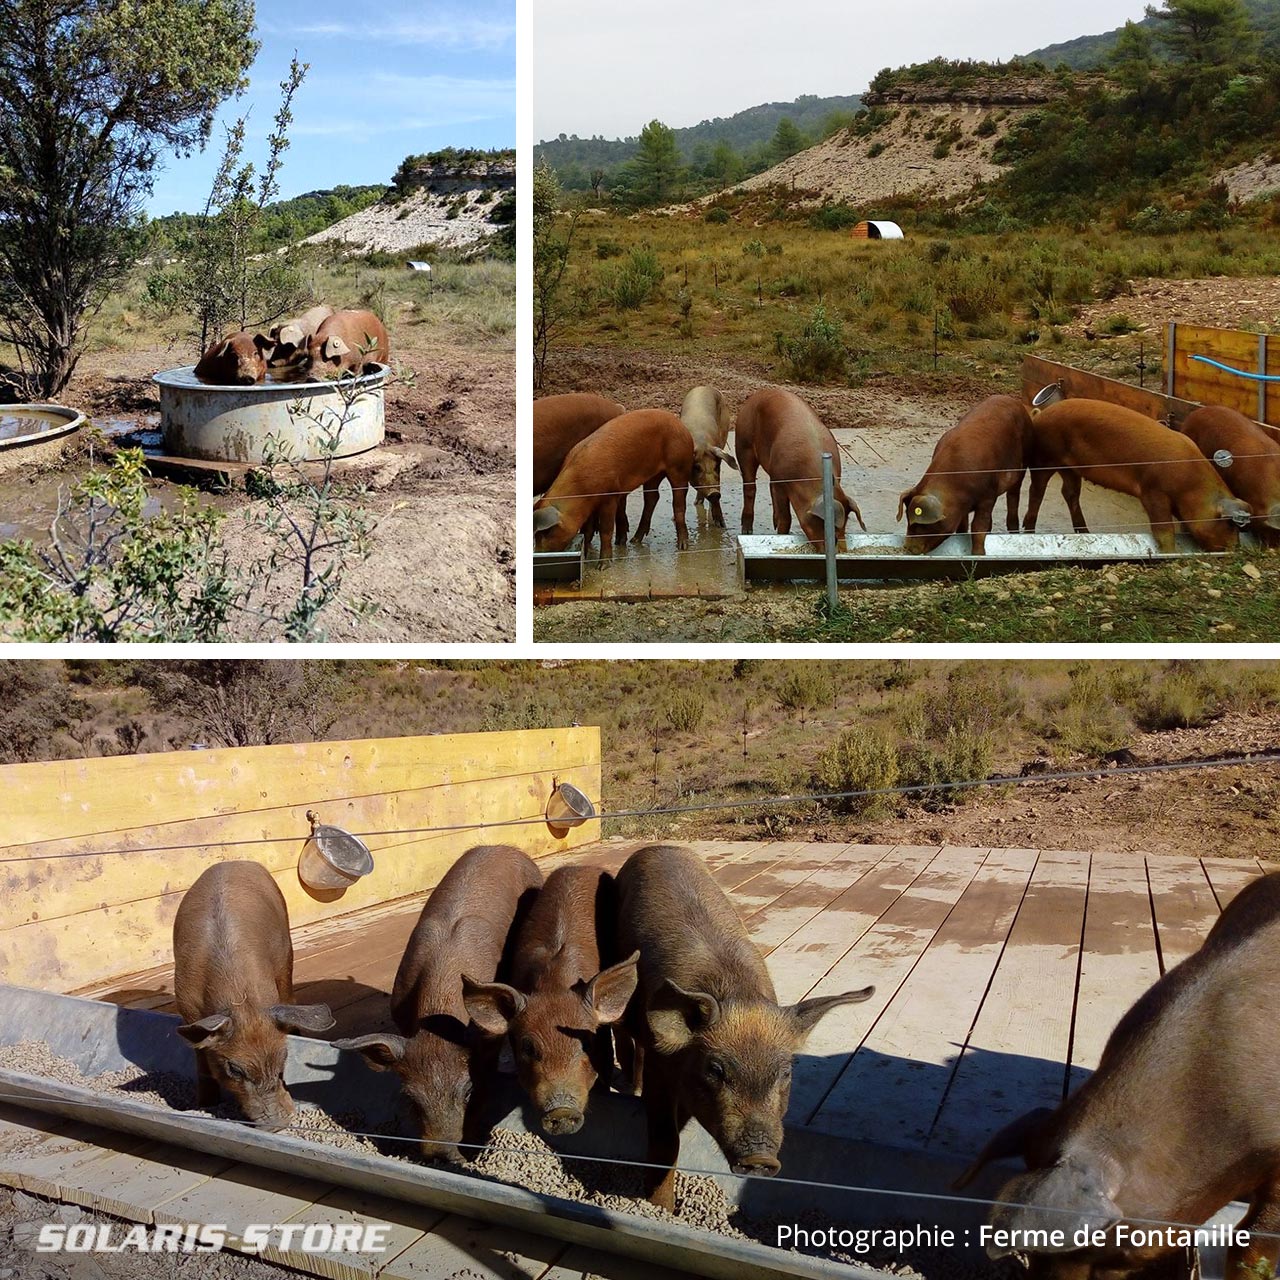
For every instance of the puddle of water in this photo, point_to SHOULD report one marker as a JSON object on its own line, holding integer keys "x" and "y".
{"x": 877, "y": 464}
{"x": 15, "y": 422}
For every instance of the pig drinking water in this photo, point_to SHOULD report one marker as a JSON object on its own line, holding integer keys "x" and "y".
{"x": 983, "y": 456}
{"x": 238, "y": 360}
{"x": 289, "y": 338}
{"x": 711, "y": 1040}
{"x": 777, "y": 431}
{"x": 706, "y": 414}
{"x": 343, "y": 343}
{"x": 233, "y": 985}
{"x": 561, "y": 999}
{"x": 1252, "y": 471}
{"x": 445, "y": 1063}
{"x": 1179, "y": 1119}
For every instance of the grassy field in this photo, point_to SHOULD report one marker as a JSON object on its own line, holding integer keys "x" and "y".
{"x": 676, "y": 281}
{"x": 690, "y": 732}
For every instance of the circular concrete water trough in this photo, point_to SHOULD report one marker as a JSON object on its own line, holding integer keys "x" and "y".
{"x": 35, "y": 423}
{"x": 233, "y": 424}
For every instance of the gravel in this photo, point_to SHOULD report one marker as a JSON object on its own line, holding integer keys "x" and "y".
{"x": 514, "y": 1158}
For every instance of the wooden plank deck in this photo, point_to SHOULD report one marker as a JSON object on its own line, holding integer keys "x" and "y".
{"x": 999, "y": 973}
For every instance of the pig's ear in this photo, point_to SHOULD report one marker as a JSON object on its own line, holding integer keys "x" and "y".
{"x": 676, "y": 1016}
{"x": 1068, "y": 1197}
{"x": 609, "y": 992}
{"x": 545, "y": 518}
{"x": 1236, "y": 511}
{"x": 853, "y": 509}
{"x": 382, "y": 1053}
{"x": 301, "y": 1017}
{"x": 1273, "y": 517}
{"x": 226, "y": 348}
{"x": 1013, "y": 1140}
{"x": 492, "y": 1005}
{"x": 902, "y": 502}
{"x": 291, "y": 335}
{"x": 726, "y": 457}
{"x": 806, "y": 1014}
{"x": 208, "y": 1031}
{"x": 263, "y": 342}
{"x": 334, "y": 346}
{"x": 927, "y": 508}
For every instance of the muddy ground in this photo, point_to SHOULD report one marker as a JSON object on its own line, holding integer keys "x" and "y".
{"x": 441, "y": 490}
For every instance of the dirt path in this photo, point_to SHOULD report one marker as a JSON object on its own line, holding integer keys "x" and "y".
{"x": 442, "y": 561}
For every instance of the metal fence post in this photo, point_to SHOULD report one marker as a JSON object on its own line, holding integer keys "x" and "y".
{"x": 829, "y": 526}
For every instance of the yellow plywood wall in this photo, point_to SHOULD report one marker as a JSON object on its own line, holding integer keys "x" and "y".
{"x": 96, "y": 854}
{"x": 1249, "y": 352}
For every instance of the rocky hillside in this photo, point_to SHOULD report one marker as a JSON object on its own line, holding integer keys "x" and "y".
{"x": 442, "y": 201}
{"x": 925, "y": 148}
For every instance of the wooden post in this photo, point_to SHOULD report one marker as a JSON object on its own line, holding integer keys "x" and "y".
{"x": 1262, "y": 384}
{"x": 1171, "y": 352}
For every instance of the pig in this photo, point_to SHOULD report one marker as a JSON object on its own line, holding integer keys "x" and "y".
{"x": 777, "y": 431}
{"x": 983, "y": 456}
{"x": 290, "y": 337}
{"x": 238, "y": 360}
{"x": 343, "y": 342}
{"x": 1120, "y": 449}
{"x": 637, "y": 449}
{"x": 1254, "y": 472}
{"x": 706, "y": 413}
{"x": 233, "y": 985}
{"x": 560, "y": 422}
{"x": 1179, "y": 1119}
{"x": 711, "y": 1041}
{"x": 561, "y": 998}
{"x": 446, "y": 1064}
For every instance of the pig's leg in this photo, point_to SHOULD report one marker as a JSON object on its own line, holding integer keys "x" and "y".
{"x": 982, "y": 525}
{"x": 679, "y": 498}
{"x": 1011, "y": 499}
{"x": 663, "y": 1115}
{"x": 1071, "y": 483}
{"x": 1163, "y": 522}
{"x": 781, "y": 507}
{"x": 1039, "y": 483}
{"x": 1262, "y": 1220}
{"x": 606, "y": 521}
{"x": 651, "y": 494}
{"x": 747, "y": 461}
{"x": 622, "y": 524}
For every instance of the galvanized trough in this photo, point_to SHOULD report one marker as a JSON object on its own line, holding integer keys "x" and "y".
{"x": 234, "y": 423}
{"x": 880, "y": 557}
{"x": 35, "y": 423}
{"x": 560, "y": 566}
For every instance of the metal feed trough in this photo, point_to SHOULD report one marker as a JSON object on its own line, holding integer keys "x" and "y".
{"x": 560, "y": 566}
{"x": 881, "y": 557}
{"x": 234, "y": 423}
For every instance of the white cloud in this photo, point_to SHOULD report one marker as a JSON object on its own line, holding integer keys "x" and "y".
{"x": 394, "y": 103}
{"x": 441, "y": 33}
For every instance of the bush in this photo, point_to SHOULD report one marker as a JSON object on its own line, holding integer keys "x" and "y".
{"x": 717, "y": 216}
{"x": 636, "y": 282}
{"x": 1087, "y": 719}
{"x": 608, "y": 249}
{"x": 969, "y": 705}
{"x": 818, "y": 351}
{"x": 986, "y": 127}
{"x": 1180, "y": 698}
{"x": 804, "y": 688}
{"x": 962, "y": 757}
{"x": 684, "y": 711}
{"x": 876, "y": 149}
{"x": 860, "y": 759}
{"x": 834, "y": 217}
{"x": 1118, "y": 325}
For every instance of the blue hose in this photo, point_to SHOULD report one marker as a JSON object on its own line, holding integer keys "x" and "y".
{"x": 1240, "y": 373}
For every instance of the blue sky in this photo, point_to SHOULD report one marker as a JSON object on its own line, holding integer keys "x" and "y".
{"x": 421, "y": 75}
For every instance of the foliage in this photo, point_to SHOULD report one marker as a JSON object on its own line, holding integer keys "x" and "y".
{"x": 115, "y": 571}
{"x": 960, "y": 757}
{"x": 551, "y": 248}
{"x": 860, "y": 759}
{"x": 90, "y": 96}
{"x": 35, "y": 704}
{"x": 219, "y": 280}
{"x": 650, "y": 177}
{"x": 634, "y": 284}
{"x": 817, "y": 353}
{"x": 684, "y": 710}
{"x": 805, "y": 687}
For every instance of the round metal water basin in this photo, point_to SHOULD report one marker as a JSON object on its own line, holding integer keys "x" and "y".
{"x": 35, "y": 423}
{"x": 233, "y": 424}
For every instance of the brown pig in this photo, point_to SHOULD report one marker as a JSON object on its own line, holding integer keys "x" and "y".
{"x": 238, "y": 360}
{"x": 706, "y": 413}
{"x": 560, "y": 422}
{"x": 1179, "y": 1119}
{"x": 1253, "y": 474}
{"x": 561, "y": 998}
{"x": 1120, "y": 449}
{"x": 983, "y": 456}
{"x": 289, "y": 338}
{"x": 638, "y": 449}
{"x": 777, "y": 431}
{"x": 344, "y": 342}
{"x": 233, "y": 985}
{"x": 712, "y": 1042}
{"x": 445, "y": 1063}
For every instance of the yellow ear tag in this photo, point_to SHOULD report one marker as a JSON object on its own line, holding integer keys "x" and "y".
{"x": 919, "y": 511}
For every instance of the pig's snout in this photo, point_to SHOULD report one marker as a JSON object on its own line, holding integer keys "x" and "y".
{"x": 447, "y": 1151}
{"x": 759, "y": 1164}
{"x": 562, "y": 1117}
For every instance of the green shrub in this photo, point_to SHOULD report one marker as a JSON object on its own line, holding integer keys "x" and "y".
{"x": 717, "y": 215}
{"x": 805, "y": 687}
{"x": 986, "y": 127}
{"x": 961, "y": 757}
{"x": 1118, "y": 325}
{"x": 876, "y": 149}
{"x": 684, "y": 711}
{"x": 753, "y": 249}
{"x": 860, "y": 759}
{"x": 637, "y": 281}
{"x": 1179, "y": 698}
{"x": 608, "y": 249}
{"x": 1088, "y": 719}
{"x": 817, "y": 352}
{"x": 834, "y": 217}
